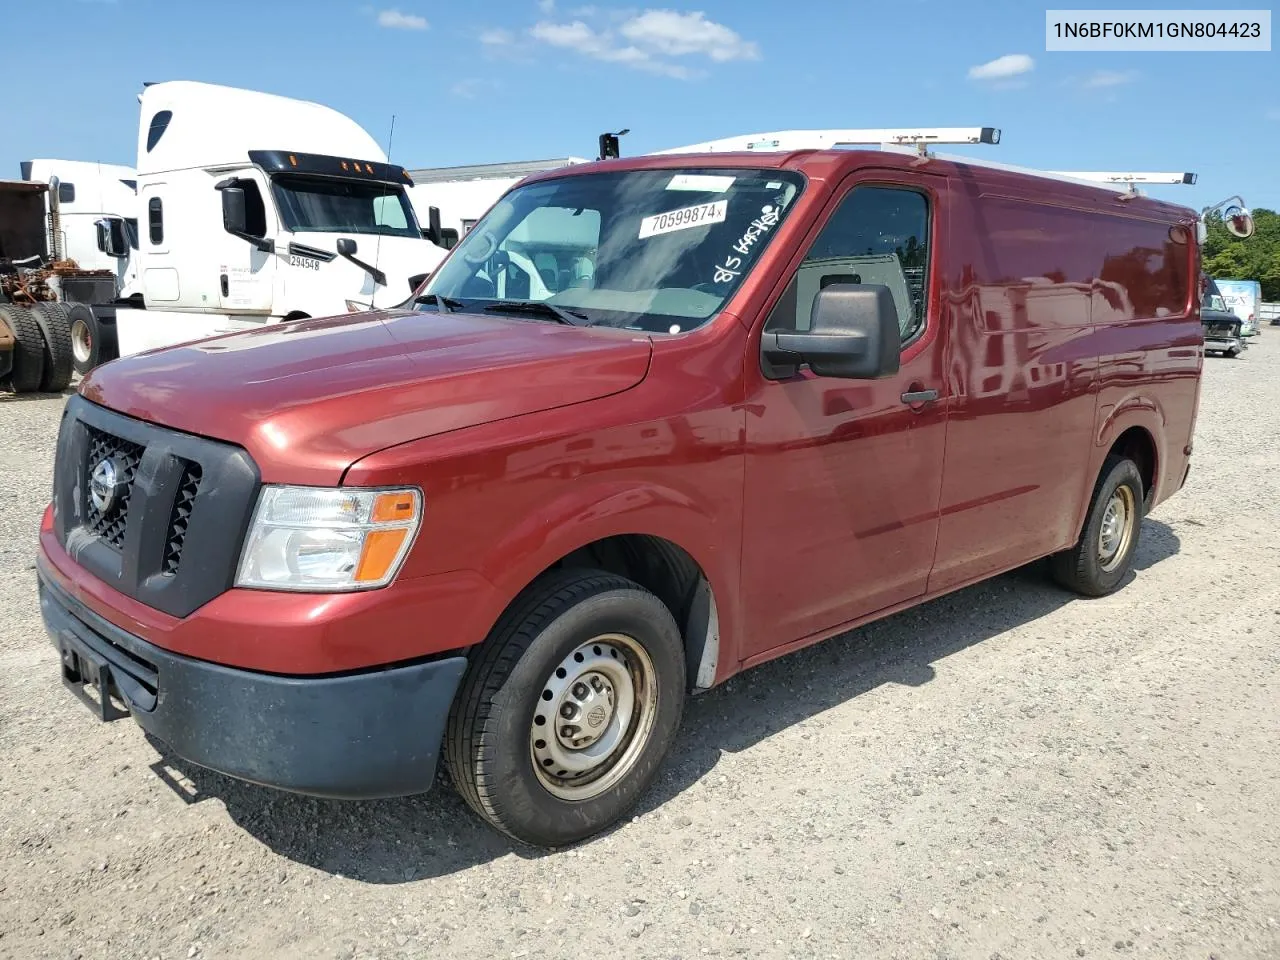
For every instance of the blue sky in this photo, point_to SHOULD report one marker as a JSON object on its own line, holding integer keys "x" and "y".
{"x": 523, "y": 79}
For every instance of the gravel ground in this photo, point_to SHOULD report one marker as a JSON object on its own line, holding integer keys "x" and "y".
{"x": 1007, "y": 772}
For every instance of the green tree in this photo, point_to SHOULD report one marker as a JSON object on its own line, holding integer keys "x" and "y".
{"x": 1228, "y": 258}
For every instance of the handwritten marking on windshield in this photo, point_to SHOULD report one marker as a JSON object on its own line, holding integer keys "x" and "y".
{"x": 768, "y": 219}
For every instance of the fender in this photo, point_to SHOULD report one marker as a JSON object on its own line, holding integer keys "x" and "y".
{"x": 596, "y": 511}
{"x": 1138, "y": 410}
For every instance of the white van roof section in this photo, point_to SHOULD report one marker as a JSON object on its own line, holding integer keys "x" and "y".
{"x": 186, "y": 125}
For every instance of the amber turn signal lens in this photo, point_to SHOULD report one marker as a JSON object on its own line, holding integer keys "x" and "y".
{"x": 381, "y": 547}
{"x": 393, "y": 508}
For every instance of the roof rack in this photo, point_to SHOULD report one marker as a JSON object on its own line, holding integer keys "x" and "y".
{"x": 1131, "y": 178}
{"x": 917, "y": 141}
{"x": 1096, "y": 179}
{"x": 786, "y": 140}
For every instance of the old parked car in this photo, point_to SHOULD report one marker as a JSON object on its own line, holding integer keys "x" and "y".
{"x": 1223, "y": 333}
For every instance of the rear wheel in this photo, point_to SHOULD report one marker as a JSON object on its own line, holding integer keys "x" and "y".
{"x": 28, "y": 350}
{"x": 56, "y": 327}
{"x": 90, "y": 343}
{"x": 568, "y": 708}
{"x": 1103, "y": 556}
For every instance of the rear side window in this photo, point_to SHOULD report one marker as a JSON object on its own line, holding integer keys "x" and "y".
{"x": 878, "y": 235}
{"x": 66, "y": 193}
{"x": 155, "y": 220}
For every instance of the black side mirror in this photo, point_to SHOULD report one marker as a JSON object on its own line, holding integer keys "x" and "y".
{"x": 235, "y": 216}
{"x": 448, "y": 238}
{"x": 111, "y": 237}
{"x": 417, "y": 280}
{"x": 347, "y": 247}
{"x": 853, "y": 334}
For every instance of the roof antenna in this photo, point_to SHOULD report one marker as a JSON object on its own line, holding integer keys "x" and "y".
{"x": 377, "y": 247}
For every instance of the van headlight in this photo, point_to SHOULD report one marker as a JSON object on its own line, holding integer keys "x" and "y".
{"x": 327, "y": 539}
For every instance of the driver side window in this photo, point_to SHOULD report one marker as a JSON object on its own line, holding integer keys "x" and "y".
{"x": 877, "y": 235}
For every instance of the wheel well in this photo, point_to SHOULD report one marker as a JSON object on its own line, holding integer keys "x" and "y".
{"x": 295, "y": 315}
{"x": 666, "y": 570}
{"x": 1136, "y": 444}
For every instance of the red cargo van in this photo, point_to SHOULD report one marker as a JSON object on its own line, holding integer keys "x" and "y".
{"x": 653, "y": 421}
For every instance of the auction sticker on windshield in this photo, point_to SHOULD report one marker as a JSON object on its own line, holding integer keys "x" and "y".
{"x": 684, "y": 218}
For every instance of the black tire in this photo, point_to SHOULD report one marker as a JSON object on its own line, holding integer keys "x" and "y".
{"x": 28, "y": 351}
{"x": 93, "y": 342}
{"x": 490, "y": 740}
{"x": 1082, "y": 568}
{"x": 56, "y": 328}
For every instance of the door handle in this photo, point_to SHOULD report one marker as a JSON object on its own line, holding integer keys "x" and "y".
{"x": 913, "y": 397}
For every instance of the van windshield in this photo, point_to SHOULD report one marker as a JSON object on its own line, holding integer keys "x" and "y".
{"x": 656, "y": 250}
{"x": 334, "y": 205}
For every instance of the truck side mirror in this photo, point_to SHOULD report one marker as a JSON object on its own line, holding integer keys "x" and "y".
{"x": 111, "y": 237}
{"x": 853, "y": 334}
{"x": 235, "y": 217}
{"x": 448, "y": 238}
{"x": 432, "y": 231}
{"x": 347, "y": 247}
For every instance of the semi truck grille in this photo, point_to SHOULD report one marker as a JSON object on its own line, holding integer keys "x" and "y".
{"x": 163, "y": 518}
{"x": 110, "y": 524}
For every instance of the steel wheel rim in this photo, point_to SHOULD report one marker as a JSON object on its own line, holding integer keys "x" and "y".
{"x": 81, "y": 341}
{"x": 594, "y": 717}
{"x": 1116, "y": 533}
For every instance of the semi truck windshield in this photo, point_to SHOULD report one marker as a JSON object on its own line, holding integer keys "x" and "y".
{"x": 332, "y": 205}
{"x": 657, "y": 250}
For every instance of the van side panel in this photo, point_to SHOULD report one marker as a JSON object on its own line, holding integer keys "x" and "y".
{"x": 1022, "y": 376}
{"x": 1150, "y": 341}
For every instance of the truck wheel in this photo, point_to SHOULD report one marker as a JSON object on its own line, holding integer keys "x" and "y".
{"x": 1103, "y": 557}
{"x": 56, "y": 328}
{"x": 89, "y": 346}
{"x": 28, "y": 351}
{"x": 568, "y": 708}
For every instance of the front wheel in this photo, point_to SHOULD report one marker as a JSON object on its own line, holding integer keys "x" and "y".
{"x": 568, "y": 708}
{"x": 1103, "y": 556}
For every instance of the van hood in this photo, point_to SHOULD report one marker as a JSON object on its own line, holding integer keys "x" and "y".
{"x": 309, "y": 398}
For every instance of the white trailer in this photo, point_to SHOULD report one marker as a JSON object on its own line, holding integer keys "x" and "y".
{"x": 464, "y": 194}
{"x": 256, "y": 209}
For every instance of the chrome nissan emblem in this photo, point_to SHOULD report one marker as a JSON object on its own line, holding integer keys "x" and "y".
{"x": 102, "y": 485}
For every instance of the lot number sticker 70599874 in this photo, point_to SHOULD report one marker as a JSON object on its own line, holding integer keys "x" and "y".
{"x": 684, "y": 218}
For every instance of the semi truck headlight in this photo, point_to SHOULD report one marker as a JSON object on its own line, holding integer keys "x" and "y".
{"x": 321, "y": 539}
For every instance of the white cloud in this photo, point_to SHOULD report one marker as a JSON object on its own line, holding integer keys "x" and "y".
{"x": 396, "y": 20}
{"x": 1102, "y": 79}
{"x": 648, "y": 40}
{"x": 496, "y": 38}
{"x": 679, "y": 34}
{"x": 470, "y": 89}
{"x": 1002, "y": 68}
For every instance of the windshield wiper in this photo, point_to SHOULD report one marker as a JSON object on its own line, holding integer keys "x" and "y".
{"x": 548, "y": 310}
{"x": 443, "y": 304}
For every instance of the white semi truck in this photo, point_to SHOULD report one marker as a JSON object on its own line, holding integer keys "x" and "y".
{"x": 253, "y": 209}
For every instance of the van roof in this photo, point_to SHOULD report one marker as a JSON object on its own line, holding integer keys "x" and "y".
{"x": 834, "y": 165}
